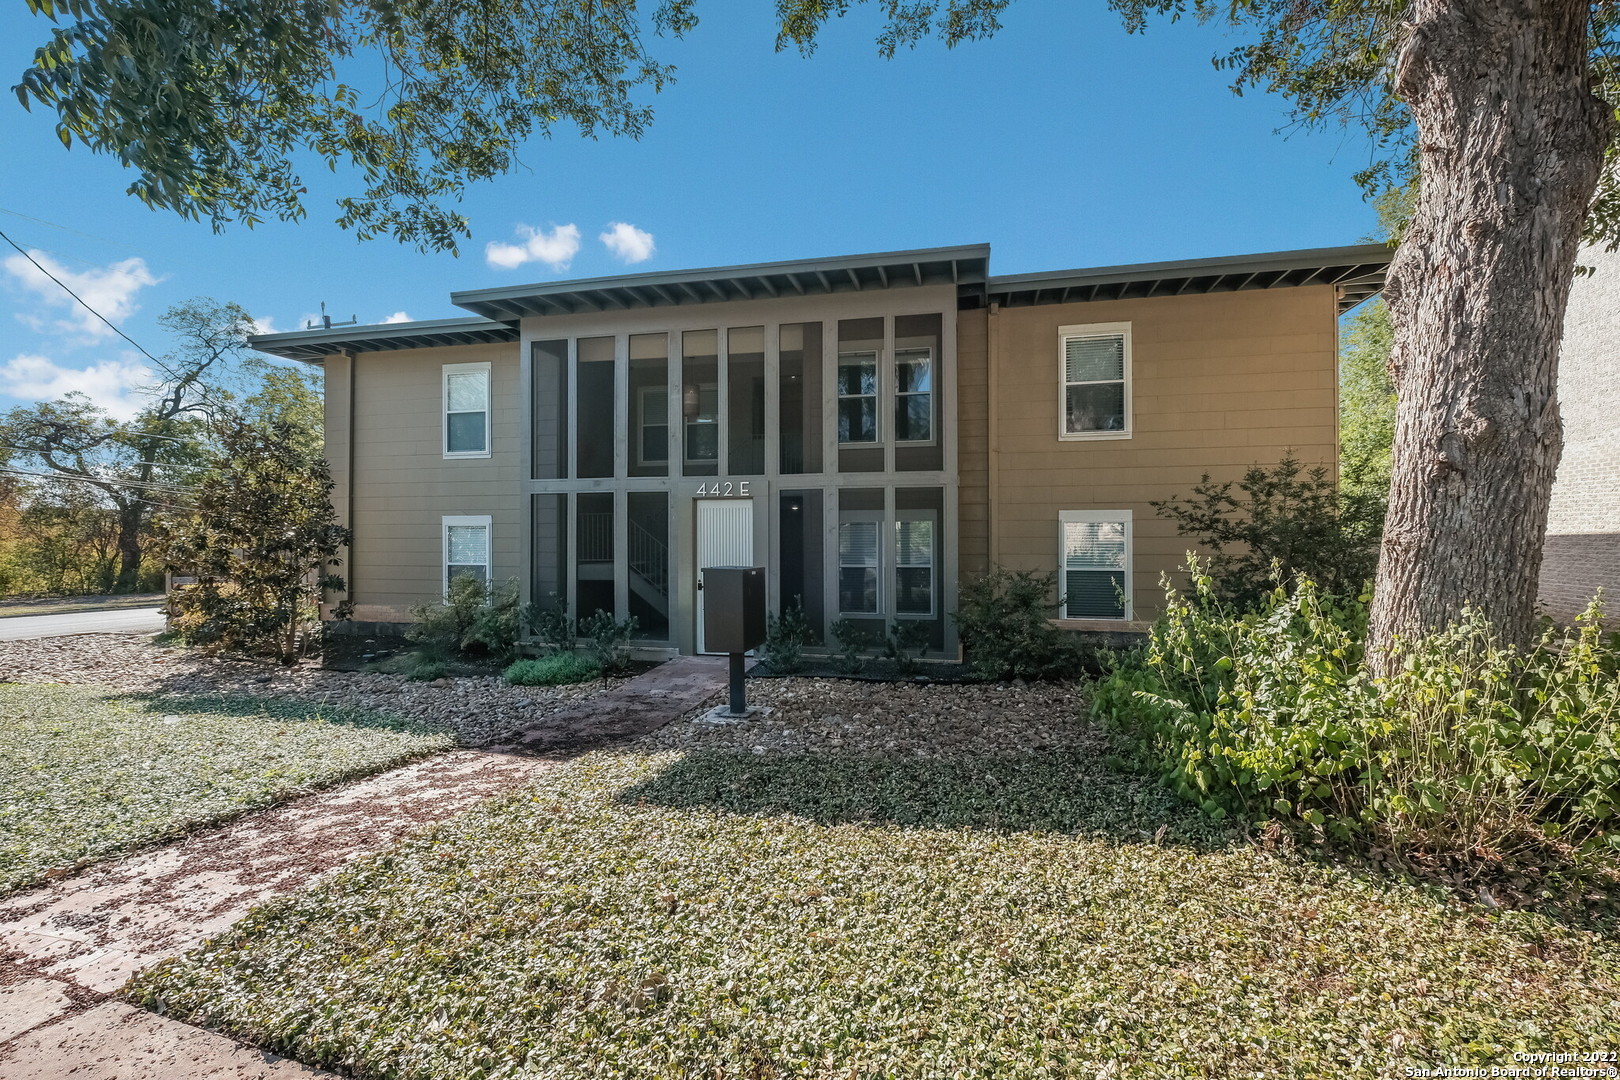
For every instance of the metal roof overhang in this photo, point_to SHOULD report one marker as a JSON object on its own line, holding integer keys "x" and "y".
{"x": 1355, "y": 272}
{"x": 312, "y": 345}
{"x": 965, "y": 267}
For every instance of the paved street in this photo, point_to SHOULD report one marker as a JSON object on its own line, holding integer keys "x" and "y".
{"x": 127, "y": 621}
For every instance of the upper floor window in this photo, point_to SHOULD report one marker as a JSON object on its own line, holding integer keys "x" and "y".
{"x": 914, "y": 395}
{"x": 1096, "y": 551}
{"x": 1095, "y": 364}
{"x": 652, "y": 442}
{"x": 857, "y": 397}
{"x": 466, "y": 410}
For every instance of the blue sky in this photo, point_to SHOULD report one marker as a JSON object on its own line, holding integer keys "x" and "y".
{"x": 1063, "y": 142}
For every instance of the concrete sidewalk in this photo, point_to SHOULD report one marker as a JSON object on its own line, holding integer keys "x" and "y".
{"x": 67, "y": 946}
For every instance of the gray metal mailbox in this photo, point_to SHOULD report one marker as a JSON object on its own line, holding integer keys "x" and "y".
{"x": 733, "y": 608}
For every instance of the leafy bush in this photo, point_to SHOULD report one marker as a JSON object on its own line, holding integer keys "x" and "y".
{"x": 908, "y": 640}
{"x": 497, "y": 625}
{"x": 470, "y": 619}
{"x": 853, "y": 640}
{"x": 785, "y": 638}
{"x": 1004, "y": 619}
{"x": 1472, "y": 754}
{"x": 1288, "y": 517}
{"x": 551, "y": 623}
{"x": 441, "y": 626}
{"x": 608, "y": 636}
{"x": 552, "y": 670}
{"x": 425, "y": 668}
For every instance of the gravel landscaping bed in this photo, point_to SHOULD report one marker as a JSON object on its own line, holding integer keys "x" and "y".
{"x": 479, "y": 711}
{"x": 878, "y": 881}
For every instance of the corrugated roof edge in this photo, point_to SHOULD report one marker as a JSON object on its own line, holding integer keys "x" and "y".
{"x": 1357, "y": 272}
{"x": 676, "y": 277}
{"x": 310, "y": 345}
{"x": 1302, "y": 259}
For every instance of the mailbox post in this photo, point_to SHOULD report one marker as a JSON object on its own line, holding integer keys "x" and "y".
{"x": 734, "y": 619}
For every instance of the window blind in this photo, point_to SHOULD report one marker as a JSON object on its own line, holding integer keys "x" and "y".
{"x": 468, "y": 545}
{"x": 468, "y": 391}
{"x": 914, "y": 543}
{"x": 858, "y": 543}
{"x": 1094, "y": 359}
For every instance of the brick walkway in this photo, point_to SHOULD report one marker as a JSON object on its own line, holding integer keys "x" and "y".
{"x": 66, "y": 947}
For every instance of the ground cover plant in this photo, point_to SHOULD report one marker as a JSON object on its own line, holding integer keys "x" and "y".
{"x": 1485, "y": 762}
{"x": 554, "y": 669}
{"x": 877, "y": 902}
{"x": 86, "y": 772}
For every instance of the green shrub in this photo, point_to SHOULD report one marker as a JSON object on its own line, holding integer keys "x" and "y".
{"x": 1286, "y": 517}
{"x": 425, "y": 668}
{"x": 1005, "y": 622}
{"x": 551, "y": 623}
{"x": 472, "y": 618}
{"x": 497, "y": 626}
{"x": 552, "y": 670}
{"x": 1472, "y": 753}
{"x": 608, "y": 637}
{"x": 908, "y": 640}
{"x": 785, "y": 638}
{"x": 853, "y": 640}
{"x": 442, "y": 626}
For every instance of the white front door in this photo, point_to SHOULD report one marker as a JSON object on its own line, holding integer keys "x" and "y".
{"x": 725, "y": 537}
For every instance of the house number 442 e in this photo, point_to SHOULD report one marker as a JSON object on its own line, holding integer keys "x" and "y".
{"x": 723, "y": 488}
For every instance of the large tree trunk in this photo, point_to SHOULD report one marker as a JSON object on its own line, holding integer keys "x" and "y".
{"x": 130, "y": 519}
{"x": 1511, "y": 140}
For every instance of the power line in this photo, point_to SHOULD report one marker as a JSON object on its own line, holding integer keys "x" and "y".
{"x": 155, "y": 464}
{"x": 101, "y": 481}
{"x": 80, "y": 299}
{"x": 64, "y": 228}
{"x": 148, "y": 502}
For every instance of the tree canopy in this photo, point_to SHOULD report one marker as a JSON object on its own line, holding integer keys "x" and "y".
{"x": 210, "y": 104}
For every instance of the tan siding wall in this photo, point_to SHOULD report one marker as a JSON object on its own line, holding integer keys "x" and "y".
{"x": 403, "y": 485}
{"x": 973, "y": 441}
{"x": 1219, "y": 383}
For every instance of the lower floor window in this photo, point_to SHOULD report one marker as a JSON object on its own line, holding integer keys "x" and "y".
{"x": 466, "y": 549}
{"x": 914, "y": 566}
{"x": 1096, "y": 561}
{"x": 858, "y": 566}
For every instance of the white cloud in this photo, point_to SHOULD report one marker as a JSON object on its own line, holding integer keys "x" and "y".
{"x": 264, "y": 324}
{"x": 398, "y": 316}
{"x": 111, "y": 290}
{"x": 629, "y": 243}
{"x": 111, "y": 384}
{"x": 555, "y": 248}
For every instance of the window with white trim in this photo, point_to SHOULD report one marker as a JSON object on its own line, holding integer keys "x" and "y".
{"x": 859, "y": 564}
{"x": 914, "y": 395}
{"x": 858, "y": 397}
{"x": 466, "y": 548}
{"x": 1095, "y": 374}
{"x": 1096, "y": 559}
{"x": 466, "y": 410}
{"x": 915, "y": 545}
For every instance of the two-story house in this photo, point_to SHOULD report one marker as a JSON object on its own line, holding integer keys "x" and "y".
{"x": 870, "y": 428}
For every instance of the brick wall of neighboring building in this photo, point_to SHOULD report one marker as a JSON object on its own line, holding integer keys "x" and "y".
{"x": 1583, "y": 526}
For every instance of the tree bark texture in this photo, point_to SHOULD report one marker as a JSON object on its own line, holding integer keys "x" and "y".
{"x": 1511, "y": 141}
